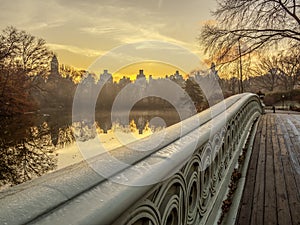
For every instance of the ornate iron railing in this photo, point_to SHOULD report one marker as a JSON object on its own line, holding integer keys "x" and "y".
{"x": 183, "y": 180}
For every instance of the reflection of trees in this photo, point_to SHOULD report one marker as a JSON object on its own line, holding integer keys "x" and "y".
{"x": 28, "y": 157}
{"x": 60, "y": 129}
{"x": 65, "y": 136}
{"x": 84, "y": 131}
{"x": 28, "y": 144}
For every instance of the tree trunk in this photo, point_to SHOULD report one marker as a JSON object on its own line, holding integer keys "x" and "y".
{"x": 241, "y": 70}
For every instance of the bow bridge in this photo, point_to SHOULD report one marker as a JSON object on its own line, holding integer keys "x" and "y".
{"x": 186, "y": 178}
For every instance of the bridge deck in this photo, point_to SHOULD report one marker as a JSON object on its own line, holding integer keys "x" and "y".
{"x": 272, "y": 188}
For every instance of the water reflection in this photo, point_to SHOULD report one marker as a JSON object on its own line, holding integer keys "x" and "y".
{"x": 31, "y": 145}
{"x": 25, "y": 153}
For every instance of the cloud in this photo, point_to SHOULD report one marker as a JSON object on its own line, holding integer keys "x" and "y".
{"x": 100, "y": 30}
{"x": 146, "y": 51}
{"x": 82, "y": 26}
{"x": 126, "y": 32}
{"x": 77, "y": 50}
{"x": 44, "y": 25}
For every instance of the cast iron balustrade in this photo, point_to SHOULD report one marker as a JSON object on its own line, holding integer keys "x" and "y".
{"x": 192, "y": 166}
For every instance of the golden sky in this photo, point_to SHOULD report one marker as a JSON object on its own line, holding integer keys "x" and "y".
{"x": 80, "y": 32}
{"x": 156, "y": 69}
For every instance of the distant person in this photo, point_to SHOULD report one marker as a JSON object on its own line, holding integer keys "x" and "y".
{"x": 273, "y": 108}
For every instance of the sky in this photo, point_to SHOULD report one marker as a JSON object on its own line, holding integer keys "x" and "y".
{"x": 80, "y": 32}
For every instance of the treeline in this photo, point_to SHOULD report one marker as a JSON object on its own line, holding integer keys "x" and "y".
{"x": 154, "y": 94}
{"x": 29, "y": 80}
{"x": 269, "y": 73}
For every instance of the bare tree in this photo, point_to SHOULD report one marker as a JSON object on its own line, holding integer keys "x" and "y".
{"x": 8, "y": 43}
{"x": 33, "y": 55}
{"x": 267, "y": 68}
{"x": 289, "y": 65}
{"x": 23, "y": 58}
{"x": 232, "y": 61}
{"x": 258, "y": 23}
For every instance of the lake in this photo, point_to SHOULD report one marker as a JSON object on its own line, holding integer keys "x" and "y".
{"x": 37, "y": 143}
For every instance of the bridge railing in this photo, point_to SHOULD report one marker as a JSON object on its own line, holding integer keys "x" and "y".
{"x": 181, "y": 180}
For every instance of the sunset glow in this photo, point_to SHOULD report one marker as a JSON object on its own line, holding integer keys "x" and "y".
{"x": 81, "y": 31}
{"x": 156, "y": 69}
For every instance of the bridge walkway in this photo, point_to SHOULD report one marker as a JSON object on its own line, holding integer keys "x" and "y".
{"x": 272, "y": 189}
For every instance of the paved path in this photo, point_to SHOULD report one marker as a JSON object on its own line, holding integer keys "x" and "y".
{"x": 272, "y": 188}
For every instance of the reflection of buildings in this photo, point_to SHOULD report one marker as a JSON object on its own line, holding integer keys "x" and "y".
{"x": 140, "y": 124}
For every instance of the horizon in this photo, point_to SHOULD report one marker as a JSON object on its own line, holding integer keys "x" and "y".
{"x": 81, "y": 32}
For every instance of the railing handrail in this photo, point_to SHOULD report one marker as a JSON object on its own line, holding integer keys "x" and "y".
{"x": 49, "y": 198}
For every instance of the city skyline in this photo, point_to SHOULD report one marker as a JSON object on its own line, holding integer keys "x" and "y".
{"x": 80, "y": 32}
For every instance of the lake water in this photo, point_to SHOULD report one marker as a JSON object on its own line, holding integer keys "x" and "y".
{"x": 34, "y": 144}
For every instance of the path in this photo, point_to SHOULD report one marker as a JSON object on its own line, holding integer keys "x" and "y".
{"x": 272, "y": 189}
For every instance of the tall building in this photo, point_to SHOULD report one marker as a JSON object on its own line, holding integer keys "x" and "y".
{"x": 178, "y": 79}
{"x": 124, "y": 81}
{"x": 141, "y": 75}
{"x": 141, "y": 79}
{"x": 106, "y": 77}
{"x": 54, "y": 73}
{"x": 54, "y": 66}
